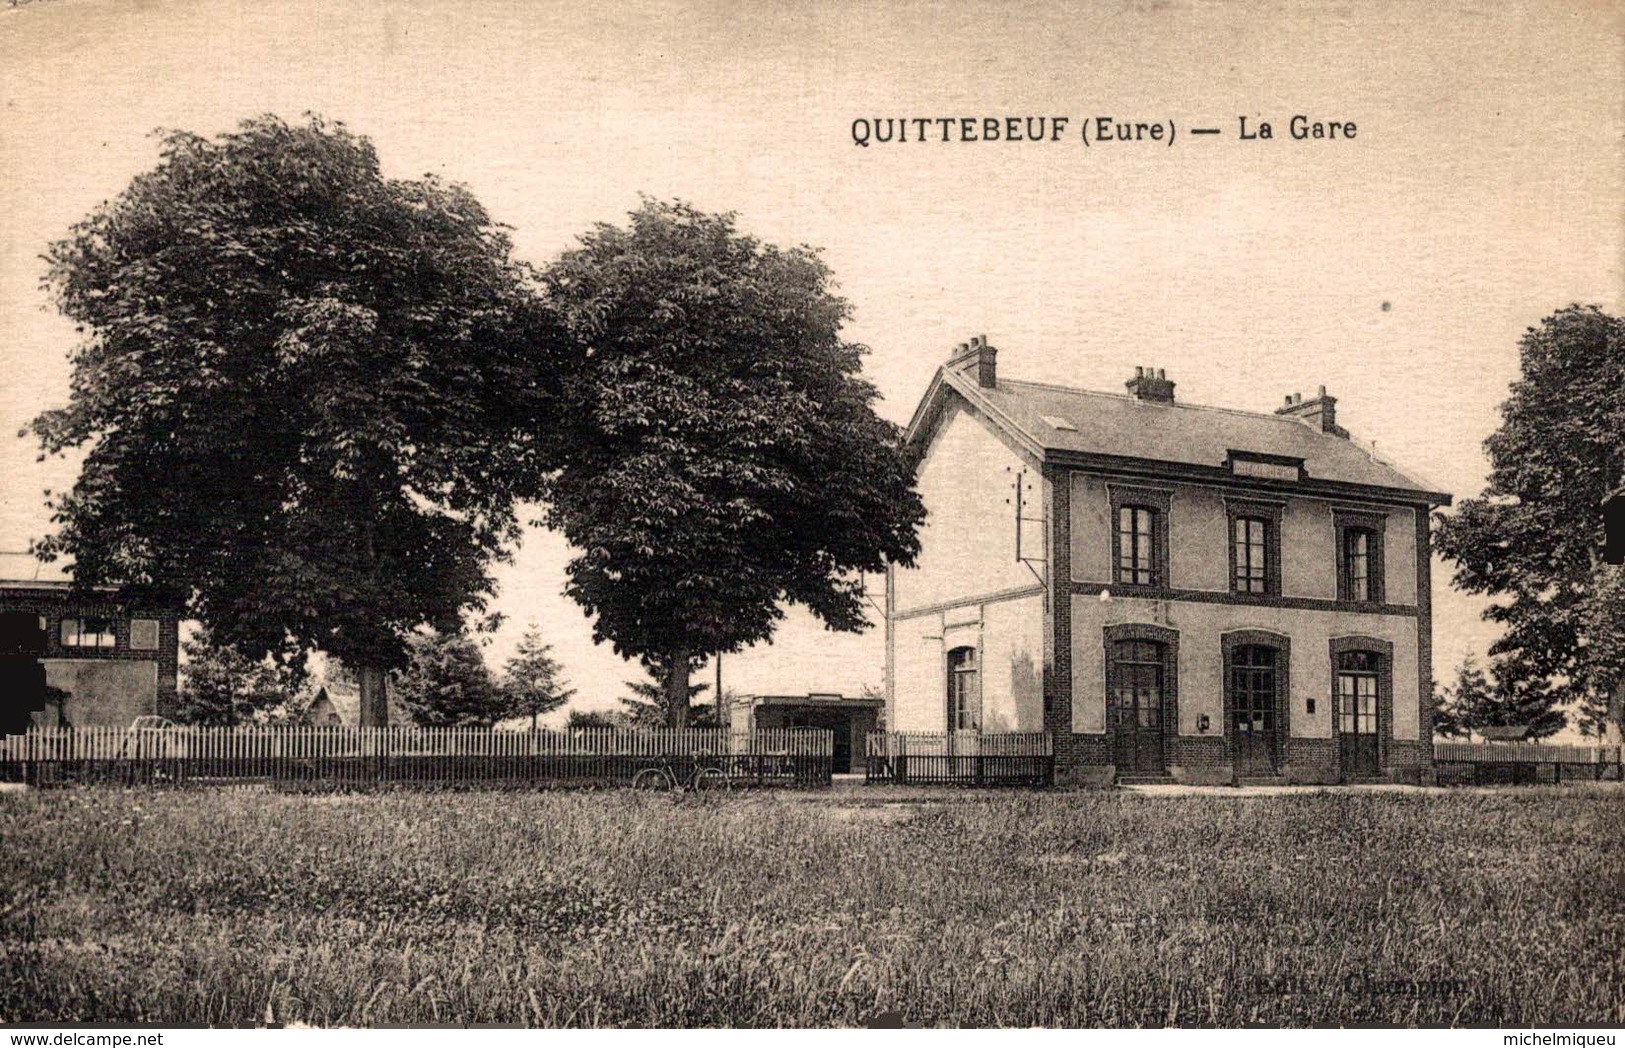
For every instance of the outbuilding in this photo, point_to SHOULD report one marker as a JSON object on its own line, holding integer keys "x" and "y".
{"x": 80, "y": 657}
{"x": 849, "y": 719}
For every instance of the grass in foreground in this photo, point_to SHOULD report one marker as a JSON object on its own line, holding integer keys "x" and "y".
{"x": 1018, "y": 909}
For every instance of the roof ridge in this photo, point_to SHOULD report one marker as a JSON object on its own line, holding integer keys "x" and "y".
{"x": 1175, "y": 404}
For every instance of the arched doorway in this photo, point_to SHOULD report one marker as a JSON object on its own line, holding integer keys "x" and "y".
{"x": 1135, "y": 706}
{"x": 1254, "y": 708}
{"x": 1359, "y": 697}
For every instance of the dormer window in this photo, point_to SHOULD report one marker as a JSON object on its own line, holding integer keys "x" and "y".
{"x": 1264, "y": 466}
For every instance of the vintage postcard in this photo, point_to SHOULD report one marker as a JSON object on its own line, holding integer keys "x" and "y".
{"x": 829, "y": 514}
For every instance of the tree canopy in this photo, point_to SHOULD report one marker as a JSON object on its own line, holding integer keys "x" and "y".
{"x": 308, "y": 394}
{"x": 725, "y": 457}
{"x": 1533, "y": 540}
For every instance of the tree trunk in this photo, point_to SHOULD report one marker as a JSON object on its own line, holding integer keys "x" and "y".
{"x": 1614, "y": 720}
{"x": 374, "y": 697}
{"x": 370, "y": 678}
{"x": 677, "y": 691}
{"x": 722, "y": 712}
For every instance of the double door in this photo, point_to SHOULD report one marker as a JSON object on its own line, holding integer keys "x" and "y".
{"x": 1136, "y": 708}
{"x": 1357, "y": 722}
{"x": 1255, "y": 710}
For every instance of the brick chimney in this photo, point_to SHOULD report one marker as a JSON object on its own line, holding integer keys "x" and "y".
{"x": 1321, "y": 412}
{"x": 977, "y": 359}
{"x": 1151, "y": 384}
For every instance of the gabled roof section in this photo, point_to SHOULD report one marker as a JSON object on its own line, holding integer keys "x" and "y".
{"x": 1117, "y": 430}
{"x": 944, "y": 384}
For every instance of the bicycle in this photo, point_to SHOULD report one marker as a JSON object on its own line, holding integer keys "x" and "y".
{"x": 703, "y": 773}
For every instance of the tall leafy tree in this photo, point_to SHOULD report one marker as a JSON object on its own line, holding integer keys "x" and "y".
{"x": 308, "y": 394}
{"x": 533, "y": 680}
{"x": 1534, "y": 538}
{"x": 725, "y": 458}
{"x": 446, "y": 683}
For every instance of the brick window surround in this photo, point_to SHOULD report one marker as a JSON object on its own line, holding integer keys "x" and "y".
{"x": 1384, "y": 650}
{"x": 1283, "y": 684}
{"x": 1344, "y": 522}
{"x": 1270, "y": 513}
{"x": 1169, "y": 641}
{"x": 1159, "y": 502}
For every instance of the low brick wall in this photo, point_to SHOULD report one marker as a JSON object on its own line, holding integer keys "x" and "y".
{"x": 1200, "y": 761}
{"x": 1204, "y": 760}
{"x": 1084, "y": 760}
{"x": 1311, "y": 761}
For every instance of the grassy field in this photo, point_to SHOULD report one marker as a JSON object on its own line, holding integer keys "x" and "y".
{"x": 598, "y": 909}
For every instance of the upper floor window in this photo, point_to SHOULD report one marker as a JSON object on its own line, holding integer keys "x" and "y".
{"x": 89, "y": 632}
{"x": 1137, "y": 546}
{"x": 1255, "y": 546}
{"x": 1139, "y": 535}
{"x": 1359, "y": 552}
{"x": 1357, "y": 563}
{"x": 1251, "y": 538}
{"x": 964, "y": 691}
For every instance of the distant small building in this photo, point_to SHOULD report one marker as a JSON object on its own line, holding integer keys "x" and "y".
{"x": 322, "y": 712}
{"x": 849, "y": 719}
{"x": 81, "y": 657}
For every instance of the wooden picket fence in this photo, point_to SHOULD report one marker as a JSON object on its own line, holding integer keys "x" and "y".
{"x": 960, "y": 758}
{"x": 360, "y": 756}
{"x": 1496, "y": 762}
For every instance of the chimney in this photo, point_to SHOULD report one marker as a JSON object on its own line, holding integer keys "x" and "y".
{"x": 1151, "y": 384}
{"x": 977, "y": 359}
{"x": 1321, "y": 412}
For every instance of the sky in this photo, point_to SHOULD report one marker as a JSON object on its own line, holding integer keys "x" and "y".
{"x": 1483, "y": 190}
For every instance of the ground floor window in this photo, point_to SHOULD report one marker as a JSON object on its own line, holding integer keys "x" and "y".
{"x": 88, "y": 632}
{"x": 964, "y": 691}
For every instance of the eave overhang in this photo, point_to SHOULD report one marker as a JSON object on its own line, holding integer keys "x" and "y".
{"x": 946, "y": 383}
